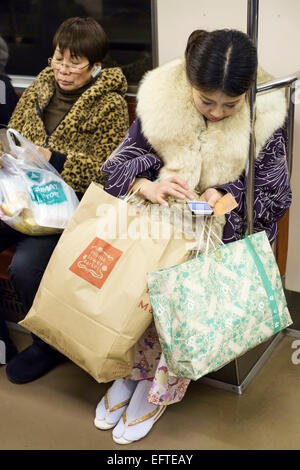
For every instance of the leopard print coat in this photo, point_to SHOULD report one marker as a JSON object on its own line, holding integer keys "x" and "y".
{"x": 90, "y": 131}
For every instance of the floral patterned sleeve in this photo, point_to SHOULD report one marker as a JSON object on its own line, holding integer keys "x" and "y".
{"x": 272, "y": 192}
{"x": 133, "y": 158}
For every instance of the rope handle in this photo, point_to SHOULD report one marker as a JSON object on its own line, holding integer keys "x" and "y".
{"x": 209, "y": 232}
{"x": 132, "y": 193}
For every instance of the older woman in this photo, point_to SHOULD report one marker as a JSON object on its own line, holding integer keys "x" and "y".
{"x": 76, "y": 113}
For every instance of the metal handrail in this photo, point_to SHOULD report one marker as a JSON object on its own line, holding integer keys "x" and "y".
{"x": 290, "y": 129}
{"x": 288, "y": 83}
{"x": 277, "y": 83}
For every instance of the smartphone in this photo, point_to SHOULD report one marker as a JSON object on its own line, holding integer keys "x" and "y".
{"x": 200, "y": 208}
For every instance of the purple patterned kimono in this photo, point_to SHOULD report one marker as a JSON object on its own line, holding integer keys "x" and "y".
{"x": 272, "y": 197}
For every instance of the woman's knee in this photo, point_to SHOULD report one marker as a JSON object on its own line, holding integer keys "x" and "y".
{"x": 31, "y": 258}
{"x": 25, "y": 276}
{"x": 20, "y": 270}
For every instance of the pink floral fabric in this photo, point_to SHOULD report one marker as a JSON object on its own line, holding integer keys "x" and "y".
{"x": 149, "y": 363}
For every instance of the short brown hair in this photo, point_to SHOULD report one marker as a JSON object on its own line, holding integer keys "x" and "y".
{"x": 84, "y": 37}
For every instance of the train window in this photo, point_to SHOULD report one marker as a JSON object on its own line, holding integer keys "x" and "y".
{"x": 28, "y": 27}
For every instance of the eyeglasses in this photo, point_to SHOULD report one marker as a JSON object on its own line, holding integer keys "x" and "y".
{"x": 72, "y": 68}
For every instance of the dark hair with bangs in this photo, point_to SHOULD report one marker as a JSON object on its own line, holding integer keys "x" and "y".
{"x": 224, "y": 60}
{"x": 84, "y": 37}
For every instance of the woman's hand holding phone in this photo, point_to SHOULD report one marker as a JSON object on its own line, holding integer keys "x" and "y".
{"x": 211, "y": 196}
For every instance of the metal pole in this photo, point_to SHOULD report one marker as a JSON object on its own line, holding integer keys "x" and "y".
{"x": 154, "y": 33}
{"x": 252, "y": 20}
{"x": 290, "y": 127}
{"x": 252, "y": 31}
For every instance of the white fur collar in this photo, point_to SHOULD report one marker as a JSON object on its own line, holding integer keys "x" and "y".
{"x": 217, "y": 153}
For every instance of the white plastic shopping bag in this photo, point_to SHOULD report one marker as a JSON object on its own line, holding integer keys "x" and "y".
{"x": 34, "y": 199}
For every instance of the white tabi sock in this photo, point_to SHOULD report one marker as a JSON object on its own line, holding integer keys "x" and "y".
{"x": 137, "y": 408}
{"x": 121, "y": 390}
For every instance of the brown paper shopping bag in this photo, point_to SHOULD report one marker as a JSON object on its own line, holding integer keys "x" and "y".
{"x": 88, "y": 302}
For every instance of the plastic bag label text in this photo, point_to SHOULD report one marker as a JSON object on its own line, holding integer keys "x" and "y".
{"x": 50, "y": 193}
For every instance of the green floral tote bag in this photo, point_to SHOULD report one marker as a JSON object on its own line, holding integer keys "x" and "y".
{"x": 215, "y": 307}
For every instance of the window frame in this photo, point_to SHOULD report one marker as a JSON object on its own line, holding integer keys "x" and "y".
{"x": 21, "y": 82}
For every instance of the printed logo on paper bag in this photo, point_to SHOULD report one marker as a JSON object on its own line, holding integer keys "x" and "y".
{"x": 96, "y": 262}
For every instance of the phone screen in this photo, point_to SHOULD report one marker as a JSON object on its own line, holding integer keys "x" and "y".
{"x": 200, "y": 208}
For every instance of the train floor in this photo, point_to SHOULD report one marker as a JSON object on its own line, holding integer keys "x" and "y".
{"x": 57, "y": 411}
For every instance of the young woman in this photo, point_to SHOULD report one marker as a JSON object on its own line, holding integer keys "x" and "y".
{"x": 76, "y": 113}
{"x": 191, "y": 136}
